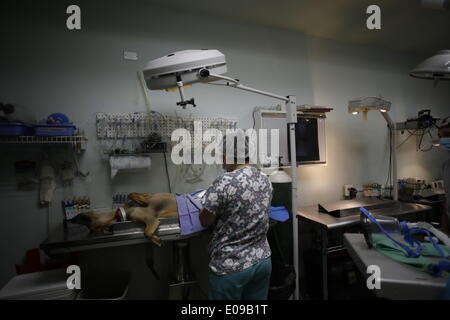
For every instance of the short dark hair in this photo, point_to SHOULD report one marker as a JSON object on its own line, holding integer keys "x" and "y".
{"x": 235, "y": 151}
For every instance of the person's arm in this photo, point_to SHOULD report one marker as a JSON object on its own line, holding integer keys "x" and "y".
{"x": 207, "y": 218}
{"x": 213, "y": 202}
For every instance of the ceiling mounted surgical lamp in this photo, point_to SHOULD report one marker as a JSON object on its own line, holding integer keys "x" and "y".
{"x": 434, "y": 68}
{"x": 364, "y": 105}
{"x": 178, "y": 69}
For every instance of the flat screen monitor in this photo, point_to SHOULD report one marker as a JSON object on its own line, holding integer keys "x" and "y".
{"x": 310, "y": 136}
{"x": 306, "y": 140}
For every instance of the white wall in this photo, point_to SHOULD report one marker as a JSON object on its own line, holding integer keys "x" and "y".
{"x": 45, "y": 68}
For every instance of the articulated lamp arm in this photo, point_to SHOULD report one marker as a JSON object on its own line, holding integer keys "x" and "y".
{"x": 205, "y": 74}
{"x": 393, "y": 146}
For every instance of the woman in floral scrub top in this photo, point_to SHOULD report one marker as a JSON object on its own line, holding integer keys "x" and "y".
{"x": 237, "y": 204}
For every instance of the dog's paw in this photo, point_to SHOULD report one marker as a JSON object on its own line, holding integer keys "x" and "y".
{"x": 107, "y": 231}
{"x": 156, "y": 240}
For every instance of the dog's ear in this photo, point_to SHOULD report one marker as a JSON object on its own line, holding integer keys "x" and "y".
{"x": 82, "y": 219}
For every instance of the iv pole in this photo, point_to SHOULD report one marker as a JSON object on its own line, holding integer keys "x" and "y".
{"x": 291, "y": 119}
{"x": 393, "y": 146}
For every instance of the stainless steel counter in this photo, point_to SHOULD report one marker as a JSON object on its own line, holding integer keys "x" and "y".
{"x": 387, "y": 208}
{"x": 78, "y": 238}
{"x": 322, "y": 233}
{"x": 397, "y": 281}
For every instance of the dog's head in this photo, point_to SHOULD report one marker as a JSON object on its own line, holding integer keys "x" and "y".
{"x": 96, "y": 221}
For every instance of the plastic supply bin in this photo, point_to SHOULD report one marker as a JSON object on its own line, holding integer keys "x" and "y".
{"x": 101, "y": 284}
{"x": 54, "y": 129}
{"x": 16, "y": 129}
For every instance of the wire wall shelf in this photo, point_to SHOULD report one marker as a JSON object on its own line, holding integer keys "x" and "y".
{"x": 141, "y": 125}
{"x": 78, "y": 142}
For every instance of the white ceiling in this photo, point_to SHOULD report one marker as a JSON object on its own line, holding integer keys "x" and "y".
{"x": 407, "y": 26}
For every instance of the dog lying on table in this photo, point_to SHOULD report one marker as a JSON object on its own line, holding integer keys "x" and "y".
{"x": 143, "y": 207}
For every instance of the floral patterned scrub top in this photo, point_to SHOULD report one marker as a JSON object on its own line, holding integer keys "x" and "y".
{"x": 241, "y": 200}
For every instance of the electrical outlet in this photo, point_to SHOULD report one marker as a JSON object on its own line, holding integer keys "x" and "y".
{"x": 130, "y": 55}
{"x": 347, "y": 188}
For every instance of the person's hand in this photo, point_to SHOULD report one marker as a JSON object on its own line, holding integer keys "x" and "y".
{"x": 207, "y": 218}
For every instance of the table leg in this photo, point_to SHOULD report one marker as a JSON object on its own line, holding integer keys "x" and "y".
{"x": 324, "y": 263}
{"x": 183, "y": 280}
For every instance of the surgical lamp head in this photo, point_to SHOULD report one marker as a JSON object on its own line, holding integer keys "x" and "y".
{"x": 435, "y": 68}
{"x": 182, "y": 68}
{"x": 364, "y": 105}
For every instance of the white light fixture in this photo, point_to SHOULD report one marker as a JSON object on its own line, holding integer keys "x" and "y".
{"x": 434, "y": 68}
{"x": 181, "y": 68}
{"x": 364, "y": 105}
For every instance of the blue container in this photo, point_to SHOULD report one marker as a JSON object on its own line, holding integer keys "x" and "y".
{"x": 16, "y": 129}
{"x": 58, "y": 118}
{"x": 54, "y": 129}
